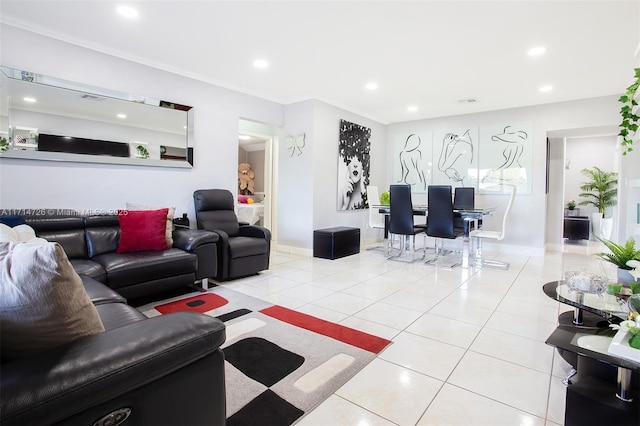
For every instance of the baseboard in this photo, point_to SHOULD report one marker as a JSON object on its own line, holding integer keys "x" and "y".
{"x": 292, "y": 250}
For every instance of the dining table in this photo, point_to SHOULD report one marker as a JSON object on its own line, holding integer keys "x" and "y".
{"x": 474, "y": 216}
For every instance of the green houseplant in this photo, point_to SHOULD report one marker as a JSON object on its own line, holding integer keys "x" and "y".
{"x": 600, "y": 190}
{"x": 142, "y": 151}
{"x": 619, "y": 255}
{"x": 384, "y": 198}
{"x": 4, "y": 145}
{"x": 629, "y": 124}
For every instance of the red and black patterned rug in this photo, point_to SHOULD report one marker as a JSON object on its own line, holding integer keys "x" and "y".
{"x": 280, "y": 363}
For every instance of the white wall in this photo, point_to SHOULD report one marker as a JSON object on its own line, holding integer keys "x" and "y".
{"x": 308, "y": 183}
{"x": 295, "y": 180}
{"x": 588, "y": 152}
{"x": 527, "y": 220}
{"x": 29, "y": 183}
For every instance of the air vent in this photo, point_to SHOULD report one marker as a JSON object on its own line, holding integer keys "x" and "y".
{"x": 468, "y": 101}
{"x": 92, "y": 98}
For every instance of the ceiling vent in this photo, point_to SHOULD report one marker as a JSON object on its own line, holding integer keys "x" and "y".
{"x": 468, "y": 101}
{"x": 92, "y": 97}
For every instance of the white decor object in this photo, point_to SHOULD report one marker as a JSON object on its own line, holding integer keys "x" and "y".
{"x": 294, "y": 143}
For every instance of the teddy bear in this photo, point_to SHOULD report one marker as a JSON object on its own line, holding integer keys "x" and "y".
{"x": 245, "y": 179}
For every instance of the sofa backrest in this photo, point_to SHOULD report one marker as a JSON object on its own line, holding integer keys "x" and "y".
{"x": 64, "y": 227}
{"x": 102, "y": 233}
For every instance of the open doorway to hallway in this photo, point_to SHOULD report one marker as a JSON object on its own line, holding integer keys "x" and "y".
{"x": 571, "y": 151}
{"x": 257, "y": 145}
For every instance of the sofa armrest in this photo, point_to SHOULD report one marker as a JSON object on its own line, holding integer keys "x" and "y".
{"x": 55, "y": 384}
{"x": 189, "y": 239}
{"x": 255, "y": 231}
{"x": 202, "y": 243}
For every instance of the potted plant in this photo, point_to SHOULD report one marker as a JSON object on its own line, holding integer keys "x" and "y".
{"x": 600, "y": 191}
{"x": 571, "y": 204}
{"x": 384, "y": 198}
{"x": 620, "y": 255}
{"x": 142, "y": 151}
{"x": 4, "y": 145}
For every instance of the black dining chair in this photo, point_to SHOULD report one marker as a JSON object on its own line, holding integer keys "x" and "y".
{"x": 440, "y": 217}
{"x": 463, "y": 199}
{"x": 401, "y": 221}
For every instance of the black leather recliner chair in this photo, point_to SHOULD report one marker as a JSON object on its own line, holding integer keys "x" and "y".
{"x": 242, "y": 249}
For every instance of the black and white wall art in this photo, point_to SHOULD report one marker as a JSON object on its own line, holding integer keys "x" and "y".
{"x": 455, "y": 153}
{"x": 506, "y": 157}
{"x": 412, "y": 160}
{"x": 353, "y": 166}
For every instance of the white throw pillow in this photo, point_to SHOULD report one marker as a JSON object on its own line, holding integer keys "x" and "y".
{"x": 18, "y": 234}
{"x": 42, "y": 300}
{"x": 170, "y": 215}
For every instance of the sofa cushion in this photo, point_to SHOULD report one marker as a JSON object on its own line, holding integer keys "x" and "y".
{"x": 171, "y": 213}
{"x": 247, "y": 246}
{"x": 142, "y": 230}
{"x": 133, "y": 268}
{"x": 42, "y": 300}
{"x": 100, "y": 294}
{"x": 116, "y": 315}
{"x": 89, "y": 268}
{"x": 71, "y": 240}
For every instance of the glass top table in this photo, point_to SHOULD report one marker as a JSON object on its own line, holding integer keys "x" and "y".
{"x": 605, "y": 305}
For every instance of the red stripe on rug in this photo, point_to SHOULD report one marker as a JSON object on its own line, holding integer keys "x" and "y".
{"x": 347, "y": 335}
{"x": 200, "y": 303}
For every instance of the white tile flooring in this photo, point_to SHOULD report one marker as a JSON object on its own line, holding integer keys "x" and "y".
{"x": 468, "y": 345}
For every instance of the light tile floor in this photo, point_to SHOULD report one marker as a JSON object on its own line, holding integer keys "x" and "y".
{"x": 468, "y": 344}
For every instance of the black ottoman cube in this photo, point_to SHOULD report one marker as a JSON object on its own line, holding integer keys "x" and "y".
{"x": 333, "y": 243}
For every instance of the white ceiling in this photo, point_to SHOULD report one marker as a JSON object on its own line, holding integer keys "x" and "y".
{"x": 430, "y": 54}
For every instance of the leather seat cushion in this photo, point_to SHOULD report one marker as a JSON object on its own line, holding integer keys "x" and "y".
{"x": 247, "y": 246}
{"x": 116, "y": 315}
{"x": 90, "y": 269}
{"x": 99, "y": 293}
{"x": 126, "y": 269}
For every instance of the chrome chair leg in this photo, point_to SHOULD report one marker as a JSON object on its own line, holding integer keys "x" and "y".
{"x": 480, "y": 262}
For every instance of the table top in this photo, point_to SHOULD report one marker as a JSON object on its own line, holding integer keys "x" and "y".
{"x": 592, "y": 342}
{"x": 606, "y": 305}
{"x": 420, "y": 209}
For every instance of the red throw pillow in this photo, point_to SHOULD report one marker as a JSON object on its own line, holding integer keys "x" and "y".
{"x": 243, "y": 199}
{"x": 142, "y": 230}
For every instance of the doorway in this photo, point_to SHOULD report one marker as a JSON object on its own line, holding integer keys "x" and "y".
{"x": 257, "y": 143}
{"x": 570, "y": 151}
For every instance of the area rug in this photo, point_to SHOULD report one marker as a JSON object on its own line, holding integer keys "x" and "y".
{"x": 280, "y": 363}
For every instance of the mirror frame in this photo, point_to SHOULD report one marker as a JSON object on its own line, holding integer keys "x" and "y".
{"x": 63, "y": 86}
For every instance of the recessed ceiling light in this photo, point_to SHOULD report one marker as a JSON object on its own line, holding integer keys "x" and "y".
{"x": 29, "y": 99}
{"x": 260, "y": 63}
{"x": 536, "y": 51}
{"x": 412, "y": 108}
{"x": 122, "y": 115}
{"x": 546, "y": 88}
{"x": 372, "y": 86}
{"x": 127, "y": 12}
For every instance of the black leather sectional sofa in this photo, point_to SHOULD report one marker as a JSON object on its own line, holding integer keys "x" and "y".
{"x": 166, "y": 370}
{"x": 91, "y": 242}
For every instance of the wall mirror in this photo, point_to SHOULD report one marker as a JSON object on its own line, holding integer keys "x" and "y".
{"x": 45, "y": 118}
